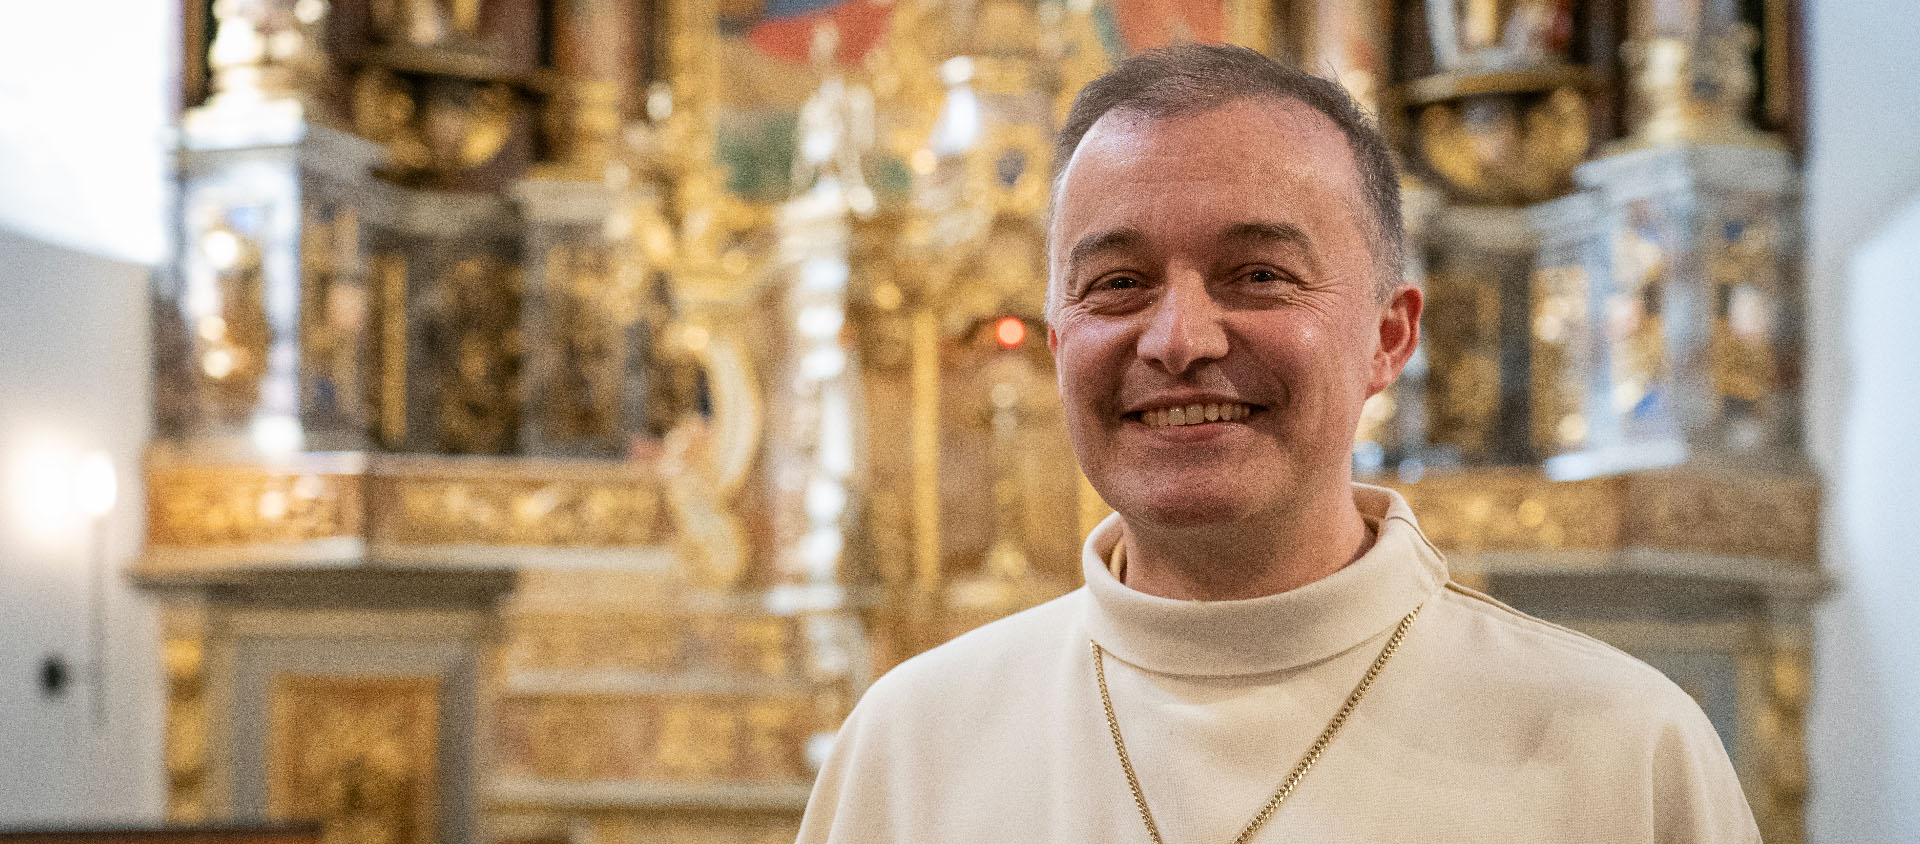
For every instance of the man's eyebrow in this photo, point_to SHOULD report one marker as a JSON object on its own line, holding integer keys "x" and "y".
{"x": 1098, "y": 242}
{"x": 1265, "y": 233}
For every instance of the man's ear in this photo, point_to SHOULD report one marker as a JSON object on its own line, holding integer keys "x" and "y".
{"x": 1053, "y": 340}
{"x": 1399, "y": 335}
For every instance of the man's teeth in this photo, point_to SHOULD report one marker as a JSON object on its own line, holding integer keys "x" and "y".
{"x": 1195, "y": 414}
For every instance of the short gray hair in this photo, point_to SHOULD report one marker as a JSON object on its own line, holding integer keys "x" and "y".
{"x": 1191, "y": 78}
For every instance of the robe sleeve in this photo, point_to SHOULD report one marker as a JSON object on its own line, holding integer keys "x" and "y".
{"x": 1697, "y": 798}
{"x": 854, "y": 798}
{"x": 831, "y": 790}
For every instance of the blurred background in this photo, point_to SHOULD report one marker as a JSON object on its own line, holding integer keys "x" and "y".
{"x": 433, "y": 421}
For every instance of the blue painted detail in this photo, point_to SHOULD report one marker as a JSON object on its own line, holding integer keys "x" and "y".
{"x": 1106, "y": 23}
{"x": 777, "y": 9}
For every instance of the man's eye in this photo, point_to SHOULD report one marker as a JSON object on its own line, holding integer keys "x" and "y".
{"x": 1119, "y": 282}
{"x": 1263, "y": 276}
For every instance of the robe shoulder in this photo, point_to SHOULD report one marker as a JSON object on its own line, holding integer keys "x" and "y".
{"x": 1641, "y": 737}
{"x": 967, "y": 669}
{"x": 1537, "y": 653}
{"x": 891, "y": 758}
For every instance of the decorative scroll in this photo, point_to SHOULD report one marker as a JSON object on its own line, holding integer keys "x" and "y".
{"x": 359, "y": 753}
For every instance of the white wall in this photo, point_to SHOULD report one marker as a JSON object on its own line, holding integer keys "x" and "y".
{"x": 85, "y": 96}
{"x": 73, "y": 379}
{"x": 1863, "y": 274}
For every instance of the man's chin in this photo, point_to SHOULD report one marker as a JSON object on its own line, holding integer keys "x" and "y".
{"x": 1186, "y": 513}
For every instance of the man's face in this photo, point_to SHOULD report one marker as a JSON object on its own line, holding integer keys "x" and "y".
{"x": 1218, "y": 260}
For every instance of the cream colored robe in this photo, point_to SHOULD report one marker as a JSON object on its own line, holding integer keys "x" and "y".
{"x": 1488, "y": 725}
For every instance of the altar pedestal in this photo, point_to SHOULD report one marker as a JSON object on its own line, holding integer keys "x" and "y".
{"x": 1698, "y": 314}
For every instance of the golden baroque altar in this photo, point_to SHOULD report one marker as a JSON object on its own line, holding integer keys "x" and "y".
{"x": 565, "y": 409}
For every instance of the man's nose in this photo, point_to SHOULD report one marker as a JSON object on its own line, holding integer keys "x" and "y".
{"x": 1184, "y": 327}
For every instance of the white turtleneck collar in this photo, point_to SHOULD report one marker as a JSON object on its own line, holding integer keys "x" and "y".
{"x": 1275, "y": 632}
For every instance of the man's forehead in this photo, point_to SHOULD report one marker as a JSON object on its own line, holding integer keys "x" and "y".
{"x": 1310, "y": 134}
{"x": 1279, "y": 144}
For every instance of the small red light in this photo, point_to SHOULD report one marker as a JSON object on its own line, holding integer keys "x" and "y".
{"x": 1010, "y": 331}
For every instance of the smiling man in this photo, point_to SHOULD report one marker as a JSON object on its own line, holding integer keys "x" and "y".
{"x": 1264, "y": 651}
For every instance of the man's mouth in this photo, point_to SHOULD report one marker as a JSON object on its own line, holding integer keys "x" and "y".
{"x": 1195, "y": 414}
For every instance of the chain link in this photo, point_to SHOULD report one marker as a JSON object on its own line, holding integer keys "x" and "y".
{"x": 1306, "y": 763}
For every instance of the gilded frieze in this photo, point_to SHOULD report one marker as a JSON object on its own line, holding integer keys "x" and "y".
{"x": 400, "y": 502}
{"x": 516, "y": 511}
{"x": 745, "y": 828}
{"x": 655, "y": 737}
{"x": 659, "y": 643}
{"x": 1520, "y": 510}
{"x": 1775, "y": 519}
{"x": 232, "y": 505}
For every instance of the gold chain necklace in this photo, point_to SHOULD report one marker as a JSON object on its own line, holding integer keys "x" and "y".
{"x": 1300, "y": 769}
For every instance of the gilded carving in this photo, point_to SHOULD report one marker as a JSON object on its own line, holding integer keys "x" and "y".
{"x": 591, "y": 311}
{"x": 435, "y": 131}
{"x": 241, "y": 505}
{"x": 334, "y": 312}
{"x": 655, "y": 643}
{"x": 389, "y": 276}
{"x": 517, "y": 511}
{"x": 1742, "y": 254}
{"x": 1780, "y": 806}
{"x": 425, "y": 22}
{"x": 1464, "y": 350}
{"x": 746, "y": 828}
{"x": 1769, "y": 518}
{"x": 360, "y": 753}
{"x": 1505, "y": 149}
{"x": 472, "y": 343}
{"x": 1560, "y": 358}
{"x": 691, "y": 737}
{"x": 181, "y": 660}
{"x": 1503, "y": 511}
